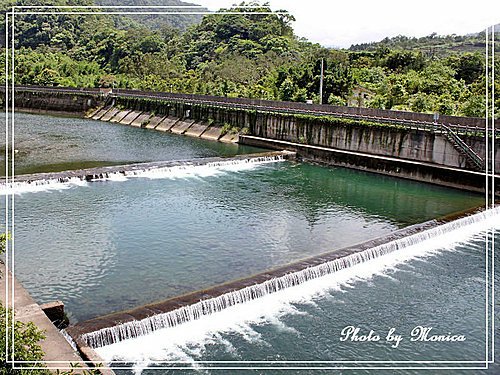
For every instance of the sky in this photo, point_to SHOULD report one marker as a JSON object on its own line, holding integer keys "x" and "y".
{"x": 341, "y": 23}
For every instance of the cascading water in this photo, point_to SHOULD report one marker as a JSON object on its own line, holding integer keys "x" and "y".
{"x": 151, "y": 171}
{"x": 132, "y": 329}
{"x": 69, "y": 339}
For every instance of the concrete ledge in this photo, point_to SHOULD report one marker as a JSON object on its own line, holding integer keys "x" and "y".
{"x": 110, "y": 114}
{"x": 196, "y": 129}
{"x": 153, "y": 122}
{"x": 55, "y": 313}
{"x": 55, "y": 346}
{"x": 93, "y": 112}
{"x": 402, "y": 168}
{"x": 213, "y": 133}
{"x": 120, "y": 116}
{"x": 175, "y": 125}
{"x": 166, "y": 124}
{"x": 141, "y": 119}
{"x": 50, "y": 112}
{"x": 181, "y": 126}
{"x": 130, "y": 117}
{"x": 230, "y": 138}
{"x": 100, "y": 113}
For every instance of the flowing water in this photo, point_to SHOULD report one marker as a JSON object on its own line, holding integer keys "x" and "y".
{"x": 51, "y": 144}
{"x": 110, "y": 245}
{"x": 439, "y": 283}
{"x": 199, "y": 310}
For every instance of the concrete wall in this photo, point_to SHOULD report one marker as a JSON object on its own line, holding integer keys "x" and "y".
{"x": 343, "y": 134}
{"x": 54, "y": 346}
{"x": 410, "y": 144}
{"x": 337, "y": 133}
{"x": 76, "y": 104}
{"x": 396, "y": 167}
{"x": 369, "y": 112}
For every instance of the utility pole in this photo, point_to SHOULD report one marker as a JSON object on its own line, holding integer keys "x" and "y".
{"x": 321, "y": 84}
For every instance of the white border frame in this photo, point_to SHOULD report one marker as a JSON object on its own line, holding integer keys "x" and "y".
{"x": 489, "y": 200}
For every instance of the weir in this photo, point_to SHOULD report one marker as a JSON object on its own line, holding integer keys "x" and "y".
{"x": 414, "y": 145}
{"x": 31, "y": 182}
{"x": 141, "y": 321}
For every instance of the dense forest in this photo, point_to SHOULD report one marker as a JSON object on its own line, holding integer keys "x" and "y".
{"x": 432, "y": 45}
{"x": 155, "y": 21}
{"x": 248, "y": 55}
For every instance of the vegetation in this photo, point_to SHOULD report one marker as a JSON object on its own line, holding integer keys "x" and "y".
{"x": 250, "y": 55}
{"x": 26, "y": 338}
{"x": 26, "y": 345}
{"x": 432, "y": 45}
{"x": 178, "y": 21}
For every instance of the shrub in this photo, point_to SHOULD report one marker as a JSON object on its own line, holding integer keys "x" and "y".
{"x": 225, "y": 129}
{"x": 26, "y": 338}
{"x": 26, "y": 345}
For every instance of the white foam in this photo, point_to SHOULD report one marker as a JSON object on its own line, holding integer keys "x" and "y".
{"x": 40, "y": 186}
{"x": 182, "y": 171}
{"x": 176, "y": 342}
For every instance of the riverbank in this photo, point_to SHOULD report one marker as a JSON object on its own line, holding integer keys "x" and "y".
{"x": 58, "y": 353}
{"x": 409, "y": 139}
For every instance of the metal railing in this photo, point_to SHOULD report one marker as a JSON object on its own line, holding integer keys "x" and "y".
{"x": 463, "y": 147}
{"x": 409, "y": 120}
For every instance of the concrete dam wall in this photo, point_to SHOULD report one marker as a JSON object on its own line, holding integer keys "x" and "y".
{"x": 165, "y": 118}
{"x": 74, "y": 103}
{"x": 408, "y": 148}
{"x": 405, "y": 143}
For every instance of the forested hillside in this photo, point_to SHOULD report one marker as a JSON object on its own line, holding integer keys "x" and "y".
{"x": 254, "y": 55}
{"x": 433, "y": 45}
{"x": 178, "y": 21}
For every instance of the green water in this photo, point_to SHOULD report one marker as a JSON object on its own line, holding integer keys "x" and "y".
{"x": 108, "y": 246}
{"x": 445, "y": 292}
{"x": 113, "y": 245}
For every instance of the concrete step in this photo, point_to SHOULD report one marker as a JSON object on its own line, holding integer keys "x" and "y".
{"x": 196, "y": 129}
{"x": 166, "y": 124}
{"x": 181, "y": 126}
{"x": 100, "y": 113}
{"x": 213, "y": 133}
{"x": 154, "y": 121}
{"x": 120, "y": 116}
{"x": 127, "y": 120}
{"x": 110, "y": 114}
{"x": 141, "y": 119}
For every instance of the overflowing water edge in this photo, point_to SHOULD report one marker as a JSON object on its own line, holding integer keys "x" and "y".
{"x": 172, "y": 170}
{"x": 414, "y": 245}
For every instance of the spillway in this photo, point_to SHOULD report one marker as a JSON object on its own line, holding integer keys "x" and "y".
{"x": 163, "y": 169}
{"x": 119, "y": 327}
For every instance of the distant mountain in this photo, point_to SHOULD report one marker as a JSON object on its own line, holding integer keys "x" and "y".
{"x": 432, "y": 45}
{"x": 497, "y": 28}
{"x": 155, "y": 21}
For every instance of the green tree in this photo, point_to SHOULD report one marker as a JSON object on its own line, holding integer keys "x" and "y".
{"x": 468, "y": 67}
{"x": 420, "y": 102}
{"x": 402, "y": 61}
{"x": 473, "y": 106}
{"x": 25, "y": 345}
